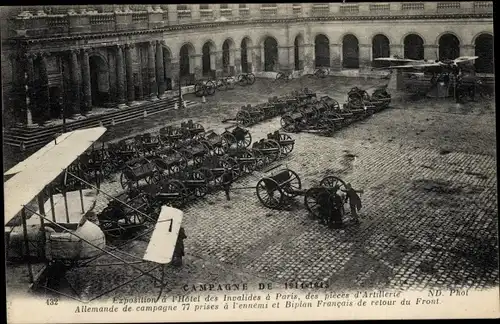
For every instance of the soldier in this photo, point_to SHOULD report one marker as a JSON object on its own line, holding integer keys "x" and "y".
{"x": 179, "y": 248}
{"x": 354, "y": 201}
{"x": 227, "y": 181}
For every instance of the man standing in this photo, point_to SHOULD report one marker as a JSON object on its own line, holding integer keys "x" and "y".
{"x": 354, "y": 201}
{"x": 179, "y": 248}
{"x": 227, "y": 181}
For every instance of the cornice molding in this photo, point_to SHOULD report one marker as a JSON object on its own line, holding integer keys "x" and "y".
{"x": 102, "y": 35}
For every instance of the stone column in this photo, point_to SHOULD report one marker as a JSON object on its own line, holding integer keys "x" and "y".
{"x": 283, "y": 59}
{"x": 160, "y": 70}
{"x": 129, "y": 71}
{"x": 87, "y": 95}
{"x": 111, "y": 75}
{"x": 467, "y": 50}
{"x": 396, "y": 49}
{"x": 153, "y": 89}
{"x": 30, "y": 83}
{"x": 120, "y": 77}
{"x": 237, "y": 60}
{"x": 173, "y": 70}
{"x": 139, "y": 78}
{"x": 335, "y": 57}
{"x": 217, "y": 64}
{"x": 308, "y": 58}
{"x": 167, "y": 70}
{"x": 44, "y": 96}
{"x": 365, "y": 51}
{"x": 75, "y": 81}
{"x": 196, "y": 67}
{"x": 431, "y": 52}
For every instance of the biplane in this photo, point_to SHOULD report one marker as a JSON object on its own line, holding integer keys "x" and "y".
{"x": 55, "y": 228}
{"x": 444, "y": 72}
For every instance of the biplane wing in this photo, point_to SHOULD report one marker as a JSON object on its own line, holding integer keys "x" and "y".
{"x": 32, "y": 175}
{"x": 395, "y": 60}
{"x": 164, "y": 238}
{"x": 436, "y": 67}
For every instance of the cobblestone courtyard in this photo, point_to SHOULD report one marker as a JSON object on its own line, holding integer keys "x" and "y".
{"x": 429, "y": 216}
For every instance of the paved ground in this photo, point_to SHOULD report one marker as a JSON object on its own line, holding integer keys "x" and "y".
{"x": 429, "y": 214}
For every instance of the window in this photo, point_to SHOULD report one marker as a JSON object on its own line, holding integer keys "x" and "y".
{"x": 224, "y": 6}
{"x": 412, "y": 6}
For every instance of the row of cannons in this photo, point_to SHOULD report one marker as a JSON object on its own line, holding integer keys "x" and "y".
{"x": 175, "y": 167}
{"x": 208, "y": 87}
{"x": 305, "y": 111}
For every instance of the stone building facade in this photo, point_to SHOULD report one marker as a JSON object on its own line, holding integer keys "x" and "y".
{"x": 114, "y": 55}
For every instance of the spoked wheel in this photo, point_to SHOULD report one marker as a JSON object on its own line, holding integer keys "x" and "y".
{"x": 262, "y": 160}
{"x": 292, "y": 187}
{"x": 210, "y": 87}
{"x": 247, "y": 161}
{"x": 219, "y": 150}
{"x": 272, "y": 150}
{"x": 200, "y": 190}
{"x": 242, "y": 81}
{"x": 355, "y": 100}
{"x": 286, "y": 144}
{"x": 175, "y": 192}
{"x": 199, "y": 89}
{"x": 198, "y": 159}
{"x": 288, "y": 124}
{"x": 243, "y": 118}
{"x": 174, "y": 169}
{"x": 246, "y": 140}
{"x": 269, "y": 193}
{"x": 332, "y": 182}
{"x": 229, "y": 139}
{"x": 250, "y": 78}
{"x": 125, "y": 182}
{"x": 231, "y": 164}
{"x": 280, "y": 76}
{"x": 312, "y": 200}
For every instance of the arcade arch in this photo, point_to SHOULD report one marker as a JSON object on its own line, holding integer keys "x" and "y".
{"x": 270, "y": 54}
{"x": 208, "y": 58}
{"x": 449, "y": 47}
{"x": 99, "y": 80}
{"x": 350, "y": 52}
{"x": 484, "y": 50}
{"x": 414, "y": 47}
{"x": 246, "y": 55}
{"x": 321, "y": 51}
{"x": 298, "y": 52}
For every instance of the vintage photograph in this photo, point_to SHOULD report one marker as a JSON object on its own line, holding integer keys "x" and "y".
{"x": 158, "y": 155}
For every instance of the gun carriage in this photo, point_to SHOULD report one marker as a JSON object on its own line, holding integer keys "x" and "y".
{"x": 191, "y": 129}
{"x": 177, "y": 191}
{"x": 119, "y": 220}
{"x": 277, "y": 190}
{"x": 215, "y": 142}
{"x": 284, "y": 140}
{"x": 237, "y": 137}
{"x": 139, "y": 169}
{"x": 170, "y": 162}
{"x": 266, "y": 151}
{"x": 214, "y": 167}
